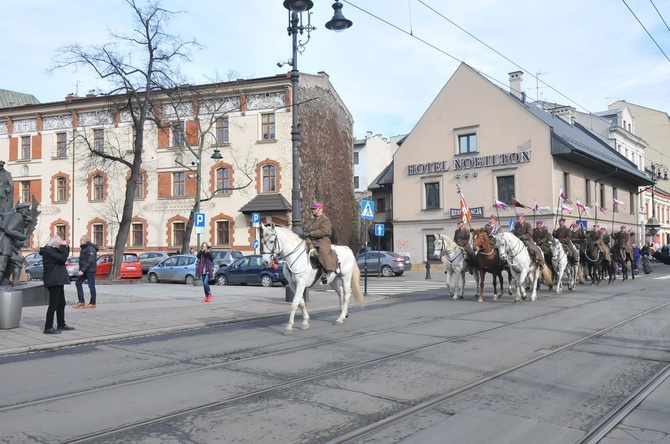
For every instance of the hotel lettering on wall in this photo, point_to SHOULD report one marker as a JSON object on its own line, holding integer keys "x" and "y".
{"x": 468, "y": 163}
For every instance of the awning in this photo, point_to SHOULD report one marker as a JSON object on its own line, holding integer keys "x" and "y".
{"x": 265, "y": 203}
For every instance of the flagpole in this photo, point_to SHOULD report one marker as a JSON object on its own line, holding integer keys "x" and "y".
{"x": 612, "y": 229}
{"x": 556, "y": 212}
{"x": 597, "y": 211}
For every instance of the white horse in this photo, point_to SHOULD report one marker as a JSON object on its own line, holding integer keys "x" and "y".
{"x": 563, "y": 265}
{"x": 282, "y": 243}
{"x": 513, "y": 250}
{"x": 453, "y": 257}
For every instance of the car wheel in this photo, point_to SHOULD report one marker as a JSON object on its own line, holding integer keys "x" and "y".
{"x": 266, "y": 281}
{"x": 190, "y": 280}
{"x": 153, "y": 278}
{"x": 221, "y": 279}
{"x": 387, "y": 271}
{"x": 29, "y": 276}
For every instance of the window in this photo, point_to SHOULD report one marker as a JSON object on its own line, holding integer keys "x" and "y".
{"x": 139, "y": 187}
{"x": 356, "y": 158}
{"x": 99, "y": 140}
{"x": 268, "y": 126}
{"x": 60, "y": 231}
{"x": 137, "y": 235}
{"x": 381, "y": 205}
{"x": 178, "y": 138}
{"x": 631, "y": 202}
{"x": 566, "y": 184}
{"x": 615, "y": 208}
{"x": 432, "y": 195}
{"x": 602, "y": 195}
{"x": 587, "y": 192}
{"x": 98, "y": 233}
{"x": 430, "y": 247}
{"x": 269, "y": 179}
{"x": 467, "y": 143}
{"x": 61, "y": 189}
{"x": 505, "y": 188}
{"x": 25, "y": 147}
{"x": 178, "y": 184}
{"x": 223, "y": 181}
{"x": 222, "y": 130}
{"x": 222, "y": 232}
{"x": 98, "y": 187}
{"x": 61, "y": 145}
{"x": 178, "y": 233}
{"x": 25, "y": 191}
{"x": 357, "y": 182}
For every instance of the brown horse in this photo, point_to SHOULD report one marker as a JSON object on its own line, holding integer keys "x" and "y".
{"x": 487, "y": 260}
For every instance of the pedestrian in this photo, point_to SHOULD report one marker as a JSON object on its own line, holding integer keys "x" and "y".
{"x": 637, "y": 255}
{"x": 54, "y": 255}
{"x": 658, "y": 255}
{"x": 88, "y": 265}
{"x": 205, "y": 269}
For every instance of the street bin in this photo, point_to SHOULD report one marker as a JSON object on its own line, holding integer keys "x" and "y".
{"x": 11, "y": 307}
{"x": 289, "y": 294}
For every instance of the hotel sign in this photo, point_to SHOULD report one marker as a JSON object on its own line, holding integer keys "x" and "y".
{"x": 468, "y": 163}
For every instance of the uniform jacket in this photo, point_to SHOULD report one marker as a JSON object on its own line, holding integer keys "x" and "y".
{"x": 563, "y": 233}
{"x": 462, "y": 236}
{"x": 491, "y": 230}
{"x": 523, "y": 231}
{"x": 542, "y": 238}
{"x": 55, "y": 272}
{"x": 623, "y": 237}
{"x": 319, "y": 230}
{"x": 88, "y": 258}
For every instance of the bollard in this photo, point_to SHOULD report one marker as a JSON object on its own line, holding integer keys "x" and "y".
{"x": 428, "y": 270}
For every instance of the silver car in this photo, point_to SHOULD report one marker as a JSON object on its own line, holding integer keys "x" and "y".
{"x": 177, "y": 268}
{"x": 386, "y": 263}
{"x": 150, "y": 258}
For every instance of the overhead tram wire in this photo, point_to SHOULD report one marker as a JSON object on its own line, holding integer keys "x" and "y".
{"x": 645, "y": 29}
{"x": 659, "y": 14}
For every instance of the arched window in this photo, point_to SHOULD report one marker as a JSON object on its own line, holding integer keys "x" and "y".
{"x": 223, "y": 181}
{"x": 98, "y": 187}
{"x": 269, "y": 179}
{"x": 61, "y": 189}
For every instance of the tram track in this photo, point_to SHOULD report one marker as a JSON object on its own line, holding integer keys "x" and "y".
{"x": 354, "y": 436}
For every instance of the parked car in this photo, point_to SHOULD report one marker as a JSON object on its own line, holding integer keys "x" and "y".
{"x": 31, "y": 258}
{"x": 250, "y": 270}
{"x": 35, "y": 270}
{"x": 72, "y": 266}
{"x": 150, "y": 258}
{"x": 130, "y": 266}
{"x": 223, "y": 258}
{"x": 385, "y": 262}
{"x": 177, "y": 268}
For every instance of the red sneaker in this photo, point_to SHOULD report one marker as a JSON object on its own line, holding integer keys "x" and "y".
{"x": 209, "y": 298}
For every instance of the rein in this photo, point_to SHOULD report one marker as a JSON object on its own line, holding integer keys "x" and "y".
{"x": 446, "y": 252}
{"x": 275, "y": 253}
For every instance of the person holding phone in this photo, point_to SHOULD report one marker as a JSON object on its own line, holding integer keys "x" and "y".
{"x": 205, "y": 269}
{"x": 54, "y": 255}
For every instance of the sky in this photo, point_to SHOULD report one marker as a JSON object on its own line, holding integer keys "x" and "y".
{"x": 394, "y": 60}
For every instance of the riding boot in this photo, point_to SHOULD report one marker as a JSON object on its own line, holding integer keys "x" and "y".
{"x": 324, "y": 278}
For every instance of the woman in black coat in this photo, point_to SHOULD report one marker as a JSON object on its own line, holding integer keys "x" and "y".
{"x": 54, "y": 255}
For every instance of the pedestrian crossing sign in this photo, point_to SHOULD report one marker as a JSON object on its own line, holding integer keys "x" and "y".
{"x": 367, "y": 209}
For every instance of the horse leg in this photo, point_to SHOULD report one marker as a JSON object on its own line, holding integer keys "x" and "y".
{"x": 482, "y": 278}
{"x": 461, "y": 288}
{"x": 450, "y": 287}
{"x": 535, "y": 275}
{"x": 344, "y": 292}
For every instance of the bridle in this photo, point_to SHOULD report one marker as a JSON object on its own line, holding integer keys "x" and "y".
{"x": 479, "y": 250}
{"x": 275, "y": 251}
{"x": 513, "y": 254}
{"x": 444, "y": 251}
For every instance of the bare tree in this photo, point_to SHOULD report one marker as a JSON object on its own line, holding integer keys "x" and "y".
{"x": 139, "y": 66}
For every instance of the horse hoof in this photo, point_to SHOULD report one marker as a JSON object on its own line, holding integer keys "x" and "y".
{"x": 480, "y": 300}
{"x": 304, "y": 327}
{"x": 338, "y": 322}
{"x": 288, "y": 332}
{"x": 460, "y": 297}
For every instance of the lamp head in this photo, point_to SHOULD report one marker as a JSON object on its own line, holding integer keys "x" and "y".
{"x": 338, "y": 23}
{"x": 216, "y": 155}
{"x": 298, "y": 5}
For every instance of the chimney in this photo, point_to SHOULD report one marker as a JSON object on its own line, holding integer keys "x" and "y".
{"x": 516, "y": 85}
{"x": 70, "y": 97}
{"x": 368, "y": 134}
{"x": 91, "y": 93}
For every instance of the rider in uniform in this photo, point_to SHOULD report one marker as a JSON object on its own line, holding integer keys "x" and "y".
{"x": 462, "y": 239}
{"x": 604, "y": 242}
{"x": 622, "y": 238}
{"x": 542, "y": 238}
{"x": 319, "y": 231}
{"x": 564, "y": 236}
{"x": 524, "y": 231}
{"x": 491, "y": 228}
{"x": 578, "y": 236}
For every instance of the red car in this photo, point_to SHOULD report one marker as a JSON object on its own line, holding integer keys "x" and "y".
{"x": 131, "y": 268}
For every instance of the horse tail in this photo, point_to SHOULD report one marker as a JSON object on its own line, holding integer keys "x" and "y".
{"x": 546, "y": 274}
{"x": 356, "y": 285}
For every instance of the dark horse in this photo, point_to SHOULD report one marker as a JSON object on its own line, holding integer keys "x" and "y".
{"x": 620, "y": 254}
{"x": 487, "y": 260}
{"x": 595, "y": 262}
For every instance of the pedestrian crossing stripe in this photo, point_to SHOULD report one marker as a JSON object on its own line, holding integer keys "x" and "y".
{"x": 367, "y": 211}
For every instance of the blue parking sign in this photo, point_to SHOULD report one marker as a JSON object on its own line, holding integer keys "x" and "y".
{"x": 255, "y": 219}
{"x": 199, "y": 220}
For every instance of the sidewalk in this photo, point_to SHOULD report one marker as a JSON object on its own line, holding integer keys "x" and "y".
{"x": 132, "y": 310}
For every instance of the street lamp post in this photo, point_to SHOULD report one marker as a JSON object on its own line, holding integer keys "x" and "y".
{"x": 657, "y": 173}
{"x": 295, "y": 27}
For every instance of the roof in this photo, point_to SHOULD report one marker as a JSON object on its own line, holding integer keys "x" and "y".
{"x": 577, "y": 144}
{"x": 9, "y": 99}
{"x": 266, "y": 202}
{"x": 385, "y": 178}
